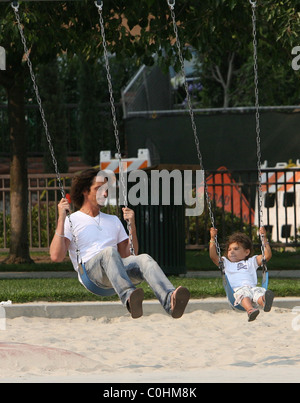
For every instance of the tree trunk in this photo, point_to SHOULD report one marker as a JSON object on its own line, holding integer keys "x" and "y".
{"x": 19, "y": 246}
{"x": 225, "y": 82}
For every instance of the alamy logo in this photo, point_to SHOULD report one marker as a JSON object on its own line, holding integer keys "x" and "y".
{"x": 2, "y": 58}
{"x": 3, "y": 305}
{"x": 159, "y": 188}
{"x": 2, "y": 318}
{"x": 296, "y": 320}
{"x": 296, "y": 60}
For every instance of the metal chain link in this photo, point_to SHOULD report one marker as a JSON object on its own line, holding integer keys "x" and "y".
{"x": 257, "y": 126}
{"x": 171, "y": 4}
{"x": 99, "y": 5}
{"x": 38, "y": 98}
{"x": 15, "y": 7}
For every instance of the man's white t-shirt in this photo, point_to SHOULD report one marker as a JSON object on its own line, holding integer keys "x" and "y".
{"x": 93, "y": 234}
{"x": 241, "y": 273}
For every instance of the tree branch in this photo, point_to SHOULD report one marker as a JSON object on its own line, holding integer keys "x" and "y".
{"x": 217, "y": 75}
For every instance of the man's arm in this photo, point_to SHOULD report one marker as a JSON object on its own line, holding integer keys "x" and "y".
{"x": 60, "y": 245}
{"x": 124, "y": 247}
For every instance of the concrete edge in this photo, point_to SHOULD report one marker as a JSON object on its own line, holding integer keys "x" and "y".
{"x": 97, "y": 310}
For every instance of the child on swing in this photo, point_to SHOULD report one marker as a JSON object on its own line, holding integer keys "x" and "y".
{"x": 240, "y": 269}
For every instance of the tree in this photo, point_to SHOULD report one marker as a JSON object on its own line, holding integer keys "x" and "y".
{"x": 223, "y": 39}
{"x": 37, "y": 17}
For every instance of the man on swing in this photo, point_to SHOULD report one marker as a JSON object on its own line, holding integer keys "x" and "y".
{"x": 105, "y": 249}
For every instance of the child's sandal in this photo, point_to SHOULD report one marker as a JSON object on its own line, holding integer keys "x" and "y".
{"x": 268, "y": 300}
{"x": 252, "y": 314}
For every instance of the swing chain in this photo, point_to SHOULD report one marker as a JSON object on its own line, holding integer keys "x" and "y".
{"x": 42, "y": 113}
{"x": 171, "y": 4}
{"x": 38, "y": 98}
{"x": 114, "y": 118}
{"x": 99, "y": 4}
{"x": 194, "y": 127}
{"x": 15, "y": 5}
{"x": 257, "y": 119}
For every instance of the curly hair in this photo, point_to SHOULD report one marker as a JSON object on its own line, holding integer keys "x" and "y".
{"x": 80, "y": 183}
{"x": 241, "y": 239}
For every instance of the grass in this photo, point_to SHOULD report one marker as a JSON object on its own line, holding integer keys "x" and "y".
{"x": 69, "y": 289}
{"x": 42, "y": 262}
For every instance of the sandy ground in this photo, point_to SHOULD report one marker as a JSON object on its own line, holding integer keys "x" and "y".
{"x": 200, "y": 347}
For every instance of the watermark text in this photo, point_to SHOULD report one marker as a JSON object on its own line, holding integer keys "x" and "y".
{"x": 166, "y": 188}
{"x": 2, "y": 58}
{"x": 296, "y": 320}
{"x": 296, "y": 60}
{"x": 2, "y": 318}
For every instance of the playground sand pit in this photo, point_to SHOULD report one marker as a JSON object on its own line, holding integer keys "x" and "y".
{"x": 200, "y": 347}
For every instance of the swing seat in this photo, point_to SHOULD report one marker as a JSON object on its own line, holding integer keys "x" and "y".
{"x": 229, "y": 291}
{"x": 91, "y": 286}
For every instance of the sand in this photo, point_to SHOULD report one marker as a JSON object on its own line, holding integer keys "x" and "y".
{"x": 202, "y": 346}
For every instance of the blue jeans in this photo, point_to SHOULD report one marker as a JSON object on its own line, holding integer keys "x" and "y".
{"x": 108, "y": 270}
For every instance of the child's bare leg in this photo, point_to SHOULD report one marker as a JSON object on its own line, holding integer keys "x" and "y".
{"x": 261, "y": 301}
{"x": 266, "y": 301}
{"x": 252, "y": 312}
{"x": 247, "y": 304}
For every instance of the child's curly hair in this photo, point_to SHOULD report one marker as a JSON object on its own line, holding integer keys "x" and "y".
{"x": 241, "y": 239}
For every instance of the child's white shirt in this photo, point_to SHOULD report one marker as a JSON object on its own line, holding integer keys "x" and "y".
{"x": 242, "y": 273}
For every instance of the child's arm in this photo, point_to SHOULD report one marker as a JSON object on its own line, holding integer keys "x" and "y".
{"x": 267, "y": 249}
{"x": 212, "y": 246}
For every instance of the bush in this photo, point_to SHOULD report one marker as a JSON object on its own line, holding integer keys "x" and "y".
{"x": 41, "y": 218}
{"x": 226, "y": 223}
